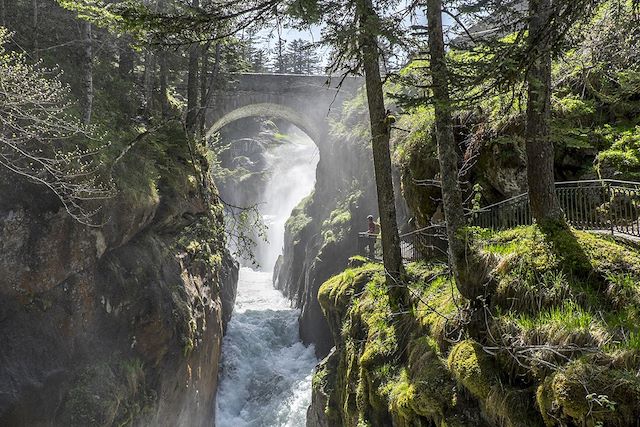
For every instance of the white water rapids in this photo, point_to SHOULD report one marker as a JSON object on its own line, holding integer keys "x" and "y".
{"x": 265, "y": 375}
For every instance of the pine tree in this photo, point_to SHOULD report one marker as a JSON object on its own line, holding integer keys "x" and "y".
{"x": 259, "y": 61}
{"x": 356, "y": 46}
{"x": 280, "y": 60}
{"x": 368, "y": 22}
{"x": 538, "y": 29}
{"x": 447, "y": 155}
{"x": 543, "y": 201}
{"x": 311, "y": 60}
{"x": 192, "y": 84}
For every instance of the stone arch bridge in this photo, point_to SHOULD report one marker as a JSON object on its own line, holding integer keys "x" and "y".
{"x": 306, "y": 101}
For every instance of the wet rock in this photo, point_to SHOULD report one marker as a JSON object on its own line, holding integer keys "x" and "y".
{"x": 110, "y": 325}
{"x": 322, "y": 234}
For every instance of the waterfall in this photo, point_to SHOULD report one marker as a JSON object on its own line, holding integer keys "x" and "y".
{"x": 293, "y": 173}
{"x": 265, "y": 375}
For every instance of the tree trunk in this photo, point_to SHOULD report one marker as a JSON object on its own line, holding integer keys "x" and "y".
{"x": 126, "y": 59}
{"x": 204, "y": 86}
{"x": 212, "y": 83}
{"x": 87, "y": 73}
{"x": 281, "y": 65}
{"x": 148, "y": 81}
{"x": 164, "y": 98}
{"x": 392, "y": 258}
{"x": 3, "y": 13}
{"x": 34, "y": 24}
{"x": 164, "y": 71}
{"x": 192, "y": 89}
{"x": 447, "y": 154}
{"x": 216, "y": 71}
{"x": 540, "y": 154}
{"x": 192, "y": 85}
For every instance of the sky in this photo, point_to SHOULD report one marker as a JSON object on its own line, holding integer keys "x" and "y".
{"x": 270, "y": 36}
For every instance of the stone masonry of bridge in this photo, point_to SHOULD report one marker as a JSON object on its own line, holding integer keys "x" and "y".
{"x": 304, "y": 100}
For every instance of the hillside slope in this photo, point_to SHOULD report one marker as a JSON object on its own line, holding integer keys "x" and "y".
{"x": 554, "y": 343}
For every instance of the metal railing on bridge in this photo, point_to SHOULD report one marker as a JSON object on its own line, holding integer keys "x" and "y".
{"x": 606, "y": 205}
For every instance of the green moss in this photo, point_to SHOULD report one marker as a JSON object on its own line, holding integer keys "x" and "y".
{"x": 544, "y": 269}
{"x": 158, "y": 163}
{"x": 566, "y": 287}
{"x": 184, "y": 319}
{"x": 544, "y": 400}
{"x": 477, "y": 372}
{"x": 337, "y": 291}
{"x": 319, "y": 380}
{"x": 298, "y": 219}
{"x": 415, "y": 154}
{"x": 564, "y": 298}
{"x": 425, "y": 388}
{"x": 340, "y": 217}
{"x": 438, "y": 301}
{"x": 375, "y": 312}
{"x": 595, "y": 394}
{"x": 622, "y": 159}
{"x": 202, "y": 240}
{"x": 472, "y": 368}
{"x": 337, "y": 227}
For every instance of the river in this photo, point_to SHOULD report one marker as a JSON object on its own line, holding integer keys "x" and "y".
{"x": 265, "y": 374}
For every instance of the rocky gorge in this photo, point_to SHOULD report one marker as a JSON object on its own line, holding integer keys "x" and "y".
{"x": 116, "y": 324}
{"x": 220, "y": 260}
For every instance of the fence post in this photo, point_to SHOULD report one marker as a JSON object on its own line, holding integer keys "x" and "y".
{"x": 610, "y": 196}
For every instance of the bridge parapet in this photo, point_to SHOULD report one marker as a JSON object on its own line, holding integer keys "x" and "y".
{"x": 306, "y": 101}
{"x": 279, "y": 83}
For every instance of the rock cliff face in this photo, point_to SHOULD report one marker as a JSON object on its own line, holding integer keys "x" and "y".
{"x": 493, "y": 162}
{"x": 322, "y": 232}
{"x": 115, "y": 324}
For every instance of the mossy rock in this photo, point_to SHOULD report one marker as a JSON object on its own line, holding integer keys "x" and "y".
{"x": 94, "y": 398}
{"x": 472, "y": 367}
{"x": 459, "y": 420}
{"x": 594, "y": 293}
{"x": 545, "y": 269}
{"x": 426, "y": 387}
{"x": 593, "y": 395}
{"x": 335, "y": 294}
{"x": 501, "y": 404}
{"x": 622, "y": 159}
{"x": 434, "y": 382}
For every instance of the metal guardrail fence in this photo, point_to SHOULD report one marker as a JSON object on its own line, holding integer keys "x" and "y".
{"x": 429, "y": 242}
{"x": 425, "y": 243}
{"x": 598, "y": 205}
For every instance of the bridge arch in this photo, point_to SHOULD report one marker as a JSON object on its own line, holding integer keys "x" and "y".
{"x": 268, "y": 109}
{"x": 307, "y": 102}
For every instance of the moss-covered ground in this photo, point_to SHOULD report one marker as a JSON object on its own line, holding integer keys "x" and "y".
{"x": 558, "y": 345}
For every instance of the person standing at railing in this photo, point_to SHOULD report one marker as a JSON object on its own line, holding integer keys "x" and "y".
{"x": 372, "y": 230}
